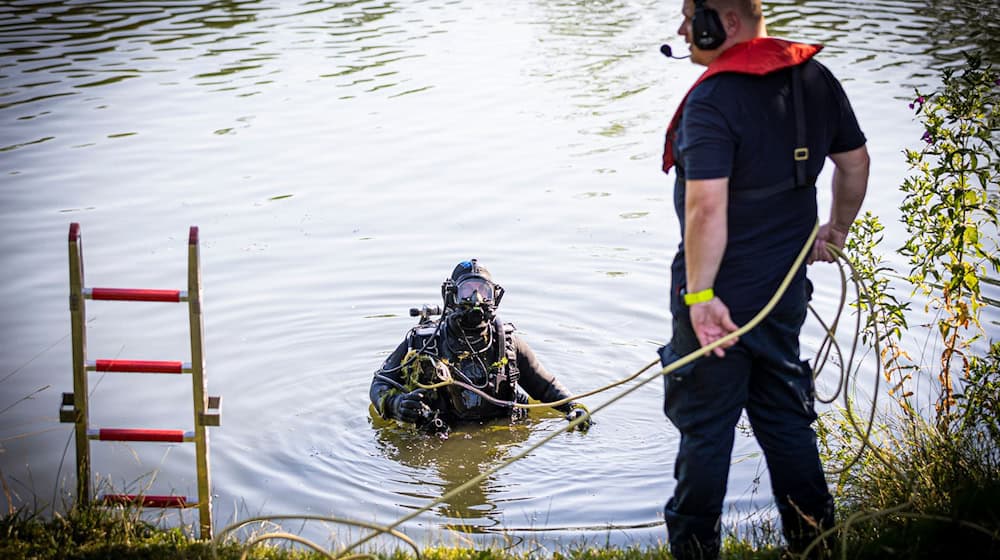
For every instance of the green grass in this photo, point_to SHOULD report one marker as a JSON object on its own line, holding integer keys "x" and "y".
{"x": 935, "y": 489}
{"x": 100, "y": 533}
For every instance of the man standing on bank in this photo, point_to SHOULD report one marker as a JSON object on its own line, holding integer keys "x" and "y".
{"x": 748, "y": 143}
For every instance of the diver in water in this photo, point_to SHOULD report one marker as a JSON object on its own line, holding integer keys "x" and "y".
{"x": 480, "y": 366}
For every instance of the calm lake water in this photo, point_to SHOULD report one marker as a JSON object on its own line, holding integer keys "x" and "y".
{"x": 339, "y": 158}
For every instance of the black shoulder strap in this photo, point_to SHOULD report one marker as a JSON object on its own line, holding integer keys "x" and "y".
{"x": 510, "y": 352}
{"x": 801, "y": 153}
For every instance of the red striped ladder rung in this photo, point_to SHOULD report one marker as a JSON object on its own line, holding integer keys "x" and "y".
{"x": 148, "y": 501}
{"x": 140, "y": 434}
{"x": 139, "y": 366}
{"x": 131, "y": 294}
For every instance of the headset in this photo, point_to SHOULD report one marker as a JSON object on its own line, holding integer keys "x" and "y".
{"x": 707, "y": 30}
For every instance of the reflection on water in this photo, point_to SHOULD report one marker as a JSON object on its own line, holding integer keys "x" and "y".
{"x": 339, "y": 158}
{"x": 883, "y": 35}
{"x": 959, "y": 26}
{"x": 55, "y": 49}
{"x": 450, "y": 462}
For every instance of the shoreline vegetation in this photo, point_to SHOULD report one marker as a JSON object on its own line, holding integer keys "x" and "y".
{"x": 916, "y": 480}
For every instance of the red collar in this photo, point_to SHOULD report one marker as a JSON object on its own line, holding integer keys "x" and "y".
{"x": 758, "y": 56}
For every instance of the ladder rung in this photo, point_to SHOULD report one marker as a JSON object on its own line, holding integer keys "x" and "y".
{"x": 130, "y": 294}
{"x": 139, "y": 434}
{"x": 148, "y": 501}
{"x": 139, "y": 366}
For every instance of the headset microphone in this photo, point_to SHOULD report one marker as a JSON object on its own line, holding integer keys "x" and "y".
{"x": 666, "y": 51}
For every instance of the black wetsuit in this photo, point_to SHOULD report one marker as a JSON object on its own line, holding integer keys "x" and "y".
{"x": 487, "y": 361}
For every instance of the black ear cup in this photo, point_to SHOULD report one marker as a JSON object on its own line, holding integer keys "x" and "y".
{"x": 706, "y": 27}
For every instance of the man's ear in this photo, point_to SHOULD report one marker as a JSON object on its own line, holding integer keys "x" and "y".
{"x": 732, "y": 23}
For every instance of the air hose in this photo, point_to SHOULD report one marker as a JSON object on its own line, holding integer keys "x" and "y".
{"x": 704, "y": 350}
{"x": 822, "y": 357}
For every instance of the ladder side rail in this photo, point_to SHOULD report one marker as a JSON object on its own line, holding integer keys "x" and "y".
{"x": 78, "y": 322}
{"x": 199, "y": 387}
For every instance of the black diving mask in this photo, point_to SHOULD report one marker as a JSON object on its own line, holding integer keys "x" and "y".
{"x": 475, "y": 291}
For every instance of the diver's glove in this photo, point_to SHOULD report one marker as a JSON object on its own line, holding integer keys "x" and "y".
{"x": 577, "y": 410}
{"x": 408, "y": 407}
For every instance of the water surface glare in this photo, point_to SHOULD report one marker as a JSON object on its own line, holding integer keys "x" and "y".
{"x": 339, "y": 158}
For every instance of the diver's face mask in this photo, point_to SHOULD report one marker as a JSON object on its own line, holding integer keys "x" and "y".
{"x": 476, "y": 299}
{"x": 475, "y": 291}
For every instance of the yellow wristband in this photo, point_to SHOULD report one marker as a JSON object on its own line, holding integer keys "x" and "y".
{"x": 699, "y": 297}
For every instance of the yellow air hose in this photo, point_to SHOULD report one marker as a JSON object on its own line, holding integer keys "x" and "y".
{"x": 822, "y": 357}
{"x": 807, "y": 247}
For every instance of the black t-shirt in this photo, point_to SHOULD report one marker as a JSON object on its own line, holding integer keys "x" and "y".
{"x": 742, "y": 127}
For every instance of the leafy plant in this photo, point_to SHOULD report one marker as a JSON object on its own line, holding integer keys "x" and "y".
{"x": 982, "y": 393}
{"x": 936, "y": 479}
{"x": 885, "y": 314}
{"x": 951, "y": 211}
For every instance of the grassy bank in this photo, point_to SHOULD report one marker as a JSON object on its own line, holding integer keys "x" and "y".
{"x": 959, "y": 516}
{"x": 103, "y": 533}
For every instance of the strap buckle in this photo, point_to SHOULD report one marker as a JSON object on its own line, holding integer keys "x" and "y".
{"x": 801, "y": 154}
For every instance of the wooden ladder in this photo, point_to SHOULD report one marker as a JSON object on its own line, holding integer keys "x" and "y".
{"x": 74, "y": 406}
